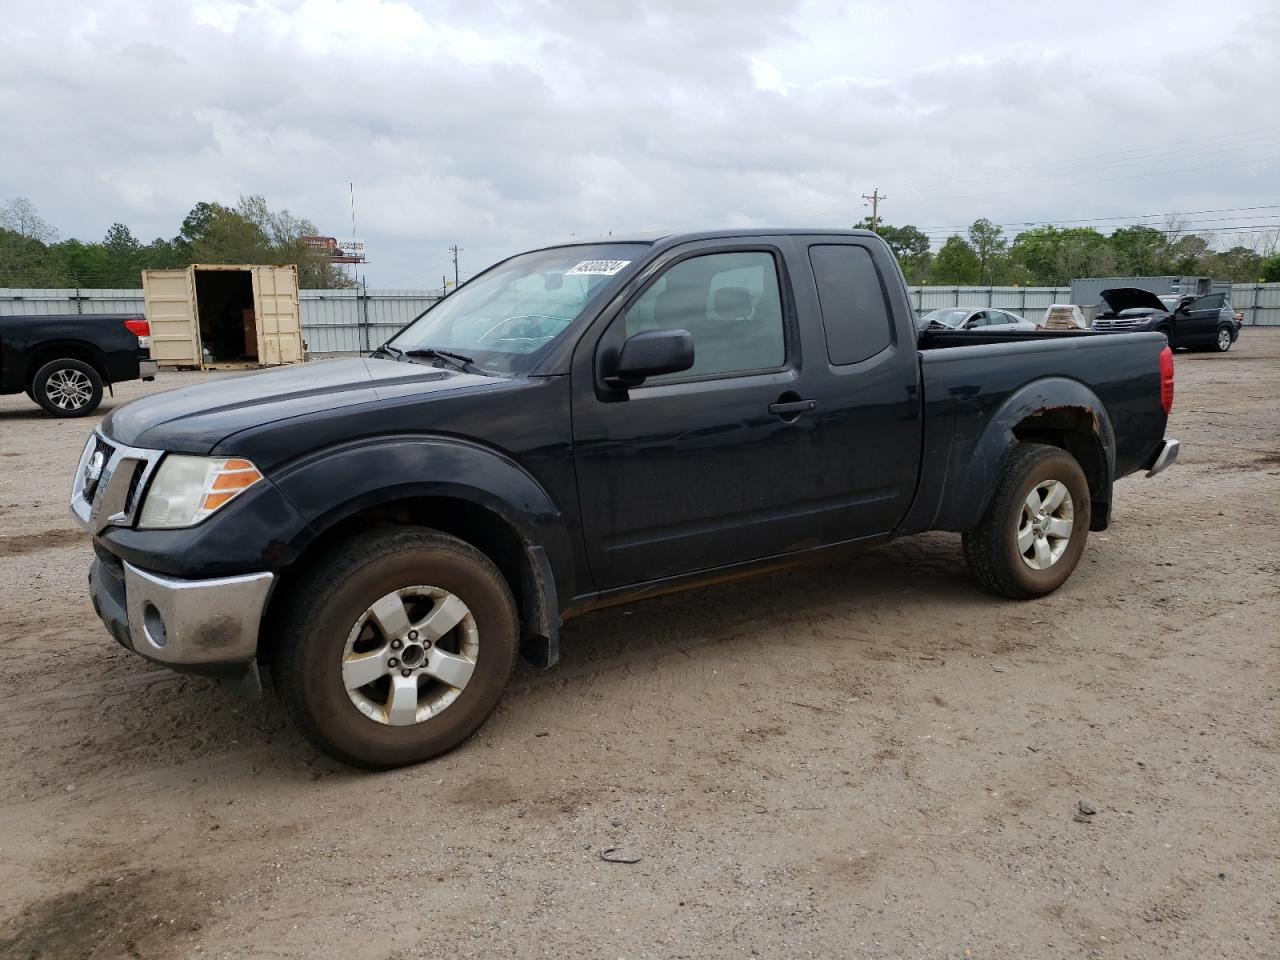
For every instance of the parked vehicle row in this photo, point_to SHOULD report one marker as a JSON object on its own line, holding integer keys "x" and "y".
{"x": 63, "y": 363}
{"x": 580, "y": 426}
{"x": 1207, "y": 322}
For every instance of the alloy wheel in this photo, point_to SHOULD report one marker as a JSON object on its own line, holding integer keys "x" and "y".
{"x": 410, "y": 655}
{"x": 1045, "y": 524}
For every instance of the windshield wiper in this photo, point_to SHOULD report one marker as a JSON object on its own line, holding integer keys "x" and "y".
{"x": 459, "y": 360}
{"x": 395, "y": 352}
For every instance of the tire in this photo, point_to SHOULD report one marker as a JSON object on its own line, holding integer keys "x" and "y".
{"x": 67, "y": 388}
{"x": 330, "y": 638}
{"x": 1223, "y": 339}
{"x": 992, "y": 547}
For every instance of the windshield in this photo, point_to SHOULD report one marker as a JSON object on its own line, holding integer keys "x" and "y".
{"x": 505, "y": 318}
{"x": 948, "y": 318}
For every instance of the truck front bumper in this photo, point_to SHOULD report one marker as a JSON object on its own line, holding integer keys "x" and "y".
{"x": 196, "y": 626}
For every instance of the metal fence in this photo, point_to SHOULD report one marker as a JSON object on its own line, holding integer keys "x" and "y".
{"x": 333, "y": 321}
{"x": 353, "y": 321}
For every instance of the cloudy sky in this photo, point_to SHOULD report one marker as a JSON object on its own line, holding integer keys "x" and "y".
{"x": 499, "y": 126}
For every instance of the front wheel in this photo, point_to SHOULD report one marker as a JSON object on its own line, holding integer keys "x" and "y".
{"x": 1030, "y": 538}
{"x": 395, "y": 647}
{"x": 1223, "y": 343}
{"x": 67, "y": 388}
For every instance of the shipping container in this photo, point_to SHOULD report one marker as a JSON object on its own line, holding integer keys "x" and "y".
{"x": 223, "y": 316}
{"x": 1087, "y": 291}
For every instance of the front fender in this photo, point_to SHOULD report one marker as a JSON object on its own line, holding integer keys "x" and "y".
{"x": 977, "y": 463}
{"x": 339, "y": 482}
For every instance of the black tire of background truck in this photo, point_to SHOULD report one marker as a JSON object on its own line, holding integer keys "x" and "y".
{"x": 991, "y": 548}
{"x": 324, "y": 605}
{"x": 1222, "y": 344}
{"x": 77, "y": 369}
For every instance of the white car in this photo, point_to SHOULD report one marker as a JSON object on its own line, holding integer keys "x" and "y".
{"x": 985, "y": 319}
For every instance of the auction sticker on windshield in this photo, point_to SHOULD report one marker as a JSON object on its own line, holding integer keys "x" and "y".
{"x": 600, "y": 268}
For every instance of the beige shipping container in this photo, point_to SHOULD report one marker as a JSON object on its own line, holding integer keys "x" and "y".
{"x": 223, "y": 316}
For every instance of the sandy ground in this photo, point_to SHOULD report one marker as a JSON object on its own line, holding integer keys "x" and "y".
{"x": 870, "y": 759}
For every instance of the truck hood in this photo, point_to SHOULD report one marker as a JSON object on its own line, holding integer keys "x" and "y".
{"x": 1131, "y": 298}
{"x": 195, "y": 419}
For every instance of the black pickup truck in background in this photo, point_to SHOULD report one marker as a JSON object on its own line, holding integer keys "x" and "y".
{"x": 584, "y": 425}
{"x": 63, "y": 362}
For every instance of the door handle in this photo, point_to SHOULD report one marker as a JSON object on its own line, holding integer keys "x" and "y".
{"x": 791, "y": 408}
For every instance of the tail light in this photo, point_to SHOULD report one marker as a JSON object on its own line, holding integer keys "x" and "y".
{"x": 1166, "y": 380}
{"x": 139, "y": 327}
{"x": 1239, "y": 318}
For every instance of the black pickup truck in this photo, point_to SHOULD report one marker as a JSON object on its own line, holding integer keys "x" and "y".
{"x": 584, "y": 425}
{"x": 63, "y": 362}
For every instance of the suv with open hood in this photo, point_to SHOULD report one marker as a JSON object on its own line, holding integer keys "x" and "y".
{"x": 1192, "y": 323}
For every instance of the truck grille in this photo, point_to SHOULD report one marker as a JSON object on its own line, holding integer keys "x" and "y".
{"x": 1117, "y": 324}
{"x": 108, "y": 483}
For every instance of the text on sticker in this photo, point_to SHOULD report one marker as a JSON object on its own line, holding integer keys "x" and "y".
{"x": 605, "y": 268}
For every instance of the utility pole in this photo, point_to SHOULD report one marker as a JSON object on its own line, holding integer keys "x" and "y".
{"x": 875, "y": 197}
{"x": 455, "y": 250}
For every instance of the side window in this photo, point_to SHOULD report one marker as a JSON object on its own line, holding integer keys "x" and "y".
{"x": 979, "y": 319}
{"x": 854, "y": 313}
{"x": 1213, "y": 301}
{"x": 999, "y": 317}
{"x": 730, "y": 302}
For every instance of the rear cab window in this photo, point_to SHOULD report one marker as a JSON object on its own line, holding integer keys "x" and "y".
{"x": 851, "y": 296}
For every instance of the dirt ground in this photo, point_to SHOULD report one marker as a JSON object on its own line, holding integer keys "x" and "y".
{"x": 871, "y": 759}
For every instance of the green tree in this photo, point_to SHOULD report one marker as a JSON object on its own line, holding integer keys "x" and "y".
{"x": 909, "y": 244}
{"x": 988, "y": 243}
{"x": 1270, "y": 269}
{"x": 1139, "y": 250}
{"x": 956, "y": 263}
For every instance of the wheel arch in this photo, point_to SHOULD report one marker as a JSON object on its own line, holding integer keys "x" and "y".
{"x": 71, "y": 349}
{"x": 465, "y": 491}
{"x": 1056, "y": 411}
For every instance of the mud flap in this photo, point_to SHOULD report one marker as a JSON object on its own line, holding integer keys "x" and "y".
{"x": 540, "y": 624}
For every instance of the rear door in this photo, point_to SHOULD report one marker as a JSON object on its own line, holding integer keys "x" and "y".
{"x": 1199, "y": 324}
{"x": 169, "y": 296}
{"x": 866, "y": 383}
{"x": 275, "y": 306}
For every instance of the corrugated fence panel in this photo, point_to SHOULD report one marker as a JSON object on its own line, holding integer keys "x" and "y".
{"x": 336, "y": 321}
{"x": 1259, "y": 302}
{"x": 342, "y": 321}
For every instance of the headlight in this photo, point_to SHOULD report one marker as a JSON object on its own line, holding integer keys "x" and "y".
{"x": 185, "y": 489}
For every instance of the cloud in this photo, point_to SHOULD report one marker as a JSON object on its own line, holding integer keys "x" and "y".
{"x": 504, "y": 125}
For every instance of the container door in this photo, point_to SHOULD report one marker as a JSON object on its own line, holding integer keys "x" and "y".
{"x": 170, "y": 301}
{"x": 275, "y": 303}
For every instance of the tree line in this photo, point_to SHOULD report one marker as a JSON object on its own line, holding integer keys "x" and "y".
{"x": 1050, "y": 256}
{"x": 31, "y": 255}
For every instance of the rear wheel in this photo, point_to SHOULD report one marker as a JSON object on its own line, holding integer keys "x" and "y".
{"x": 1030, "y": 538}
{"x": 396, "y": 647}
{"x": 1223, "y": 342}
{"x": 67, "y": 388}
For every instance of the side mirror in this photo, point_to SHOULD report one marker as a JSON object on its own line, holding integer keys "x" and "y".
{"x": 651, "y": 354}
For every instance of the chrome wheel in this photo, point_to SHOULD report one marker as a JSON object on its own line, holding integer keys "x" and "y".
{"x": 1224, "y": 339}
{"x": 1044, "y": 526}
{"x": 410, "y": 655}
{"x": 68, "y": 389}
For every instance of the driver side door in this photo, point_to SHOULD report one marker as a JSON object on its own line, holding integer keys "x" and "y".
{"x": 700, "y": 469}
